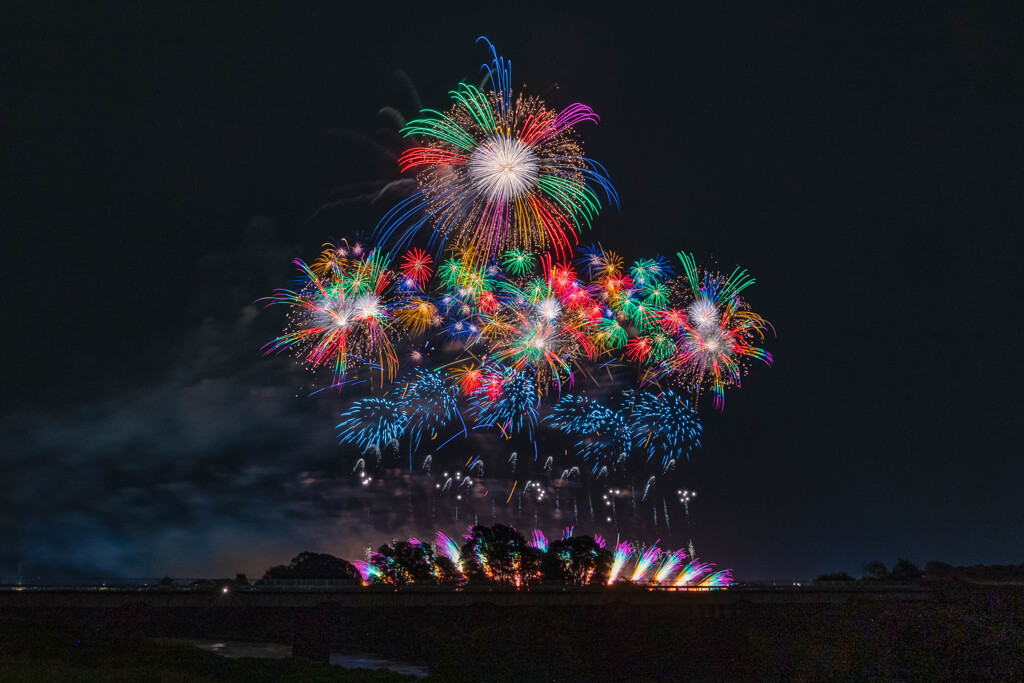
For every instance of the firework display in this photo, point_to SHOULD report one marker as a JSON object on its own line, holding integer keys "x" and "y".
{"x": 519, "y": 370}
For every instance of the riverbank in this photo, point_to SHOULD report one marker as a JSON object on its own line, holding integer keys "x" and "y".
{"x": 79, "y": 652}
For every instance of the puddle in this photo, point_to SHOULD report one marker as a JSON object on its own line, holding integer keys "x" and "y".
{"x": 365, "y": 661}
{"x": 235, "y": 649}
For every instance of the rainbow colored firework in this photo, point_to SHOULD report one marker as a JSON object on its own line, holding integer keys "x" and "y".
{"x": 341, "y": 313}
{"x": 715, "y": 335}
{"x": 498, "y": 173}
{"x": 380, "y": 567}
{"x": 623, "y": 551}
{"x": 644, "y": 561}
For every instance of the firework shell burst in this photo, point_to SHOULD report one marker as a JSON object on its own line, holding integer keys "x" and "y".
{"x": 715, "y": 334}
{"x": 430, "y": 403}
{"x": 372, "y": 422}
{"x": 341, "y": 314}
{"x": 507, "y": 400}
{"x": 499, "y": 174}
{"x": 545, "y": 326}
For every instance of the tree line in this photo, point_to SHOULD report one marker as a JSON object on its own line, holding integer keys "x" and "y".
{"x": 497, "y": 554}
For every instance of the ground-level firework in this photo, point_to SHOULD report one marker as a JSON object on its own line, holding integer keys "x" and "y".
{"x": 500, "y": 554}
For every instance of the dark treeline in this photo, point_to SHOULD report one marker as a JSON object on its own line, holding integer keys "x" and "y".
{"x": 906, "y": 572}
{"x": 495, "y": 554}
{"x": 903, "y": 571}
{"x": 981, "y": 573}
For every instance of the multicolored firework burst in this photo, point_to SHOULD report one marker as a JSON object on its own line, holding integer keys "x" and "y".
{"x": 498, "y": 173}
{"x": 644, "y": 562}
{"x": 716, "y": 334}
{"x": 500, "y": 554}
{"x": 623, "y": 551}
{"x": 544, "y": 326}
{"x": 669, "y": 565}
{"x": 341, "y": 317}
{"x": 539, "y": 541}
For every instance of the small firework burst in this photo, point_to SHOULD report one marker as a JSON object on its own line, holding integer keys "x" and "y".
{"x": 372, "y": 422}
{"x": 715, "y": 333}
{"x": 341, "y": 318}
{"x": 416, "y": 267}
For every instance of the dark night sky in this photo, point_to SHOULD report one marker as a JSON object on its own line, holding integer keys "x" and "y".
{"x": 160, "y": 166}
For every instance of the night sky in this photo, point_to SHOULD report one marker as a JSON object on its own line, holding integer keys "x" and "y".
{"x": 161, "y": 167}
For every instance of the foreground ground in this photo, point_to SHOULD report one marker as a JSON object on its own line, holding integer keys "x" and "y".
{"x": 962, "y": 633}
{"x": 76, "y": 653}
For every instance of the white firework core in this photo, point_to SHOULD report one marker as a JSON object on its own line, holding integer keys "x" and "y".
{"x": 503, "y": 168}
{"x": 541, "y": 336}
{"x": 703, "y": 314}
{"x": 548, "y": 309}
{"x": 710, "y": 344}
{"x": 367, "y": 307}
{"x": 336, "y": 314}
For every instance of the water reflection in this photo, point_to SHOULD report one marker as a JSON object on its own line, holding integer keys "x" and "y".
{"x": 235, "y": 649}
{"x": 365, "y": 661}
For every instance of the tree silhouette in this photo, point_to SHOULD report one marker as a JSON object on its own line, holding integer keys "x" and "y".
{"x": 578, "y": 561}
{"x": 500, "y": 554}
{"x": 309, "y": 565}
{"x": 405, "y": 562}
{"x": 875, "y": 570}
{"x": 446, "y": 571}
{"x": 905, "y": 571}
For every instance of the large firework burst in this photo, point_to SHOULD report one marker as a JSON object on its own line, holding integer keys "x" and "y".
{"x": 502, "y": 312}
{"x": 498, "y": 173}
{"x": 545, "y": 326}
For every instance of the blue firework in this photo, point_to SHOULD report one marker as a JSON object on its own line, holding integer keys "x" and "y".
{"x": 463, "y": 330}
{"x": 372, "y": 422}
{"x": 430, "y": 404}
{"x": 610, "y": 443}
{"x": 664, "y": 425}
{"x": 512, "y": 406}
{"x": 605, "y": 434}
{"x": 576, "y": 414}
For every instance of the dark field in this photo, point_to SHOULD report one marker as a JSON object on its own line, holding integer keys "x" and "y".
{"x": 960, "y": 633}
